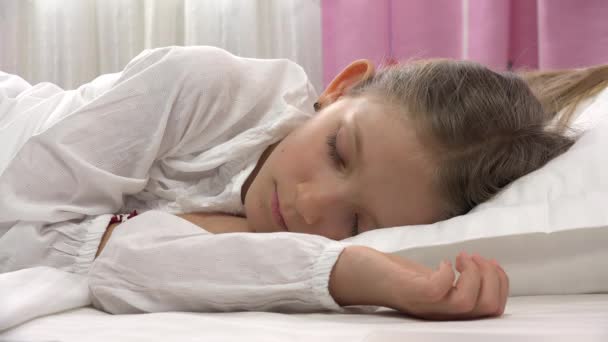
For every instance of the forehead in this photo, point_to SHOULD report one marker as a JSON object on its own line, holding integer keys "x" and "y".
{"x": 394, "y": 174}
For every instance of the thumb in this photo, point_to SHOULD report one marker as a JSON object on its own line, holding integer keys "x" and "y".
{"x": 439, "y": 283}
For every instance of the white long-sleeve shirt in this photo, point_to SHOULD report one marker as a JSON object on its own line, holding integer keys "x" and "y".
{"x": 159, "y": 262}
{"x": 178, "y": 130}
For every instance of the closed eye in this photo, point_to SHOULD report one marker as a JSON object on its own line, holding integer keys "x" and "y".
{"x": 333, "y": 149}
{"x": 339, "y": 162}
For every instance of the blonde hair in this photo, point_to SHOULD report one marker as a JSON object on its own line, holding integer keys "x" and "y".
{"x": 563, "y": 90}
{"x": 484, "y": 129}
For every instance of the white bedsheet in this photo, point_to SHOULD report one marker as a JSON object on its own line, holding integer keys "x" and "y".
{"x": 535, "y": 318}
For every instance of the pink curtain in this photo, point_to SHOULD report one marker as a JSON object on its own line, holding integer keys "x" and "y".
{"x": 502, "y": 34}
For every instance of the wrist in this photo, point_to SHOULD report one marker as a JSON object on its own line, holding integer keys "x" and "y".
{"x": 362, "y": 276}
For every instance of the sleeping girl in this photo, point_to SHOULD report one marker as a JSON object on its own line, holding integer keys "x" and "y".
{"x": 151, "y": 181}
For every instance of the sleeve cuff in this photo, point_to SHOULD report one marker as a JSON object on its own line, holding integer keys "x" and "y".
{"x": 320, "y": 280}
{"x": 320, "y": 275}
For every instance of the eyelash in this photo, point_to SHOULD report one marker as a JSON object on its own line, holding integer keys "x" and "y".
{"x": 339, "y": 162}
{"x": 333, "y": 149}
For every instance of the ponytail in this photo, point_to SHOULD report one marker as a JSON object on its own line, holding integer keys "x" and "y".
{"x": 565, "y": 89}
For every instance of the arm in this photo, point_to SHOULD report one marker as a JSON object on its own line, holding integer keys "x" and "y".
{"x": 215, "y": 223}
{"x": 56, "y": 165}
{"x": 134, "y": 129}
{"x": 159, "y": 262}
{"x": 277, "y": 271}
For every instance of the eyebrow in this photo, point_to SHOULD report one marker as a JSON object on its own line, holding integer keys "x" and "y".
{"x": 359, "y": 153}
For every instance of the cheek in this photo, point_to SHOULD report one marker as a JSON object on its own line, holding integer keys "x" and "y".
{"x": 290, "y": 164}
{"x": 295, "y": 155}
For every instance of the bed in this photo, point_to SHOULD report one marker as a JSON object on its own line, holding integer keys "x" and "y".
{"x": 527, "y": 318}
{"x": 549, "y": 231}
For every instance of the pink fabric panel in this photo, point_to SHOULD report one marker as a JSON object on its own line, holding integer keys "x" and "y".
{"x": 572, "y": 33}
{"x": 489, "y": 26}
{"x": 535, "y": 34}
{"x": 426, "y": 28}
{"x": 353, "y": 29}
{"x": 523, "y": 51}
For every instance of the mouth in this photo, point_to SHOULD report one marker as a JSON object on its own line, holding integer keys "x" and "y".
{"x": 276, "y": 210}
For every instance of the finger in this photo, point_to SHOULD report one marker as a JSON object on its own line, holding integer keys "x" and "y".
{"x": 504, "y": 286}
{"x": 460, "y": 299}
{"x": 463, "y": 297}
{"x": 489, "y": 300}
{"x": 433, "y": 287}
{"x": 459, "y": 264}
{"x": 441, "y": 282}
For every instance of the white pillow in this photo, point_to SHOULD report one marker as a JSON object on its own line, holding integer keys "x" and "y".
{"x": 548, "y": 229}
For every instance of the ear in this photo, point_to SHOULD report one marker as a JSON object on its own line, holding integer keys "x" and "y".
{"x": 354, "y": 73}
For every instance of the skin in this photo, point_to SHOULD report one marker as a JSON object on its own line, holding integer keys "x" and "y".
{"x": 388, "y": 184}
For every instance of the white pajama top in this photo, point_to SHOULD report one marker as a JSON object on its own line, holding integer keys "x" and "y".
{"x": 178, "y": 130}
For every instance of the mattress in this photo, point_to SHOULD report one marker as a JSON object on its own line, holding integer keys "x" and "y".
{"x": 533, "y": 318}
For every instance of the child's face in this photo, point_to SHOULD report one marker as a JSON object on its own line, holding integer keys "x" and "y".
{"x": 386, "y": 184}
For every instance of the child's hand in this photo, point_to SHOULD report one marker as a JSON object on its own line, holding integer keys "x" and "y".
{"x": 363, "y": 276}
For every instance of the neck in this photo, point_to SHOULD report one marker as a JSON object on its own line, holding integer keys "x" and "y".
{"x": 255, "y": 171}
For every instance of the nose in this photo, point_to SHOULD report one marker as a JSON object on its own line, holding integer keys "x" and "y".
{"x": 318, "y": 202}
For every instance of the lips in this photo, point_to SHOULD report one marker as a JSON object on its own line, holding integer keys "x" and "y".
{"x": 276, "y": 210}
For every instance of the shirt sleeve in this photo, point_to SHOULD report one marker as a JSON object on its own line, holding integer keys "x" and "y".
{"x": 159, "y": 262}
{"x": 166, "y": 104}
{"x": 82, "y": 161}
